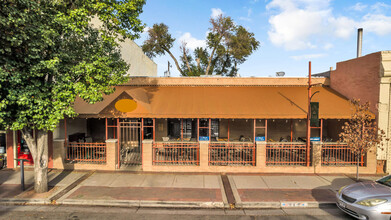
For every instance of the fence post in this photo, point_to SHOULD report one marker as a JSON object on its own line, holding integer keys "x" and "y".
{"x": 204, "y": 152}
{"x": 147, "y": 155}
{"x": 261, "y": 154}
{"x": 317, "y": 156}
{"x": 111, "y": 154}
{"x": 58, "y": 153}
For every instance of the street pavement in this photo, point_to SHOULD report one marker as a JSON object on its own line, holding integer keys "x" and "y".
{"x": 88, "y": 212}
{"x": 176, "y": 190}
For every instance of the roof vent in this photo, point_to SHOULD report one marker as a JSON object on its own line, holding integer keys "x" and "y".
{"x": 281, "y": 73}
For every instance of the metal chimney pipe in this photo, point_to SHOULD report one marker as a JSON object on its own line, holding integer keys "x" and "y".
{"x": 359, "y": 41}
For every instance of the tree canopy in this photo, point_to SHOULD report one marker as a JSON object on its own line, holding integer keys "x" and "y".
{"x": 50, "y": 53}
{"x": 227, "y": 46}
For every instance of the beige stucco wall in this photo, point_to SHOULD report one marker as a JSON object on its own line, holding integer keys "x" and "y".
{"x": 140, "y": 64}
{"x": 384, "y": 116}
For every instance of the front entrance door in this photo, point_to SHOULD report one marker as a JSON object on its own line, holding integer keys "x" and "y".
{"x": 130, "y": 143}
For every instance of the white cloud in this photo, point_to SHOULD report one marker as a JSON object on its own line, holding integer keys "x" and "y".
{"x": 297, "y": 24}
{"x": 308, "y": 56}
{"x": 216, "y": 12}
{"x": 342, "y": 27}
{"x": 146, "y": 29}
{"x": 192, "y": 42}
{"x": 380, "y": 7}
{"x": 249, "y": 12}
{"x": 248, "y": 17}
{"x": 292, "y": 27}
{"x": 377, "y": 23}
{"x": 359, "y": 7}
{"x": 328, "y": 46}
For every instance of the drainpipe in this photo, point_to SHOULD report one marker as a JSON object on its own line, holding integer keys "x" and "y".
{"x": 359, "y": 41}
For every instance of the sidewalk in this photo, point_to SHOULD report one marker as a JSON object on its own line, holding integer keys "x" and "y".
{"x": 175, "y": 190}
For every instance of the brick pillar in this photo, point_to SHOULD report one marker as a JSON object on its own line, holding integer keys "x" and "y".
{"x": 111, "y": 154}
{"x": 58, "y": 153}
{"x": 147, "y": 155}
{"x": 261, "y": 154}
{"x": 371, "y": 160}
{"x": 204, "y": 160}
{"x": 317, "y": 156}
{"x": 9, "y": 149}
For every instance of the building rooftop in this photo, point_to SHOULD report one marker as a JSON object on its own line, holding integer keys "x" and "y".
{"x": 225, "y": 81}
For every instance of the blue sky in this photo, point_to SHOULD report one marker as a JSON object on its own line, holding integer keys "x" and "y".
{"x": 291, "y": 32}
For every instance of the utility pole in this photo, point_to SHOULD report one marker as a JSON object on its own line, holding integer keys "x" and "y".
{"x": 309, "y": 115}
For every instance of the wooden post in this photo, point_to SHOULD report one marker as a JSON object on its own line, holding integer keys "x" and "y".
{"x": 107, "y": 136}
{"x": 308, "y": 115}
{"x": 118, "y": 145}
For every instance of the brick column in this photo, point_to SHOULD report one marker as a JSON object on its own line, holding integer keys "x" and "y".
{"x": 9, "y": 149}
{"x": 58, "y": 153}
{"x": 317, "y": 156}
{"x": 147, "y": 155}
{"x": 261, "y": 154}
{"x": 204, "y": 160}
{"x": 111, "y": 154}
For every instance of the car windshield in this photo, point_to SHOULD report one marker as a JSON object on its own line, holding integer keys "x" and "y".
{"x": 385, "y": 181}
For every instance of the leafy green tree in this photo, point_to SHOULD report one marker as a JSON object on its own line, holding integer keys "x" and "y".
{"x": 228, "y": 45}
{"x": 49, "y": 54}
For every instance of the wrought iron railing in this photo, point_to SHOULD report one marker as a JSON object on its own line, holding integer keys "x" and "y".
{"x": 286, "y": 153}
{"x": 85, "y": 153}
{"x": 339, "y": 154}
{"x": 176, "y": 153}
{"x": 232, "y": 154}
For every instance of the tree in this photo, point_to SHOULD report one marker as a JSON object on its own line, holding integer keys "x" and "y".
{"x": 361, "y": 133}
{"x": 50, "y": 54}
{"x": 227, "y": 45}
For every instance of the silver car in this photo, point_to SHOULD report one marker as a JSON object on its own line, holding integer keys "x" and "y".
{"x": 366, "y": 200}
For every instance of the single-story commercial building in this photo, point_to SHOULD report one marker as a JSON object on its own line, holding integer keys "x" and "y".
{"x": 206, "y": 124}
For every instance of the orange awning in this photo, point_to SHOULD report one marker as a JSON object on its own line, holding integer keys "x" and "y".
{"x": 274, "y": 102}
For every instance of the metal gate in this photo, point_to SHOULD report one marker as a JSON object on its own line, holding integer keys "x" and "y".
{"x": 130, "y": 143}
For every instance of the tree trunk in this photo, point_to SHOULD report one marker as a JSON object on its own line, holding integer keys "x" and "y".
{"x": 38, "y": 145}
{"x": 176, "y": 62}
{"x": 210, "y": 61}
{"x": 358, "y": 164}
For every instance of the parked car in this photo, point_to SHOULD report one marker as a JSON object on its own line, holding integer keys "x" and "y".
{"x": 366, "y": 200}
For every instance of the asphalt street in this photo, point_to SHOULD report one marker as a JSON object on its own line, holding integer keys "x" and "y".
{"x": 86, "y": 212}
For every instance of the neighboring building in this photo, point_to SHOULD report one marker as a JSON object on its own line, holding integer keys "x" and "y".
{"x": 140, "y": 64}
{"x": 368, "y": 78}
{"x": 212, "y": 124}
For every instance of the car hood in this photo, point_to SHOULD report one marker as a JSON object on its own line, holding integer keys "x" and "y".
{"x": 366, "y": 189}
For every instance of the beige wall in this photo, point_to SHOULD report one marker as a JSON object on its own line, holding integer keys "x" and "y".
{"x": 384, "y": 117}
{"x": 140, "y": 64}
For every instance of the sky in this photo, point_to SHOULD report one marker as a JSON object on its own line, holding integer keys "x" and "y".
{"x": 291, "y": 32}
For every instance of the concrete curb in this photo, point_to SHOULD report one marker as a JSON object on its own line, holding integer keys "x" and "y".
{"x": 19, "y": 201}
{"x": 142, "y": 203}
{"x": 167, "y": 204}
{"x": 283, "y": 204}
